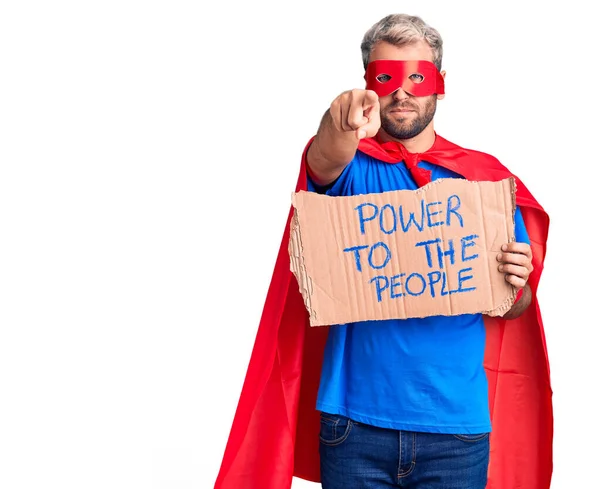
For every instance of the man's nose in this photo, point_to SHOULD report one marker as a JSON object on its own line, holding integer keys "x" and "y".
{"x": 400, "y": 94}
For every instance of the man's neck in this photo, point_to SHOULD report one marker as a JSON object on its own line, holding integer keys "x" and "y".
{"x": 418, "y": 144}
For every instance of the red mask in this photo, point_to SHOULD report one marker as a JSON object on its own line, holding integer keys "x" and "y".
{"x": 419, "y": 78}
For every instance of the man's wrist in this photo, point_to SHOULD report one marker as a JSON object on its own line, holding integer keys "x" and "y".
{"x": 519, "y": 294}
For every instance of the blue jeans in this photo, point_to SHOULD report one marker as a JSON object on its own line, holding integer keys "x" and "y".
{"x": 359, "y": 456}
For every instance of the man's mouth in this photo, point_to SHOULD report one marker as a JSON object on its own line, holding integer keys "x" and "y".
{"x": 402, "y": 110}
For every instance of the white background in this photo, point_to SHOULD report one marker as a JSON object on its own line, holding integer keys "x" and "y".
{"x": 148, "y": 151}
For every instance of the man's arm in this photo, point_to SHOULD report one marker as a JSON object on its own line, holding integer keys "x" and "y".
{"x": 353, "y": 115}
{"x": 519, "y": 307}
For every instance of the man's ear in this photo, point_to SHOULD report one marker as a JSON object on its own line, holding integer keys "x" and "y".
{"x": 443, "y": 73}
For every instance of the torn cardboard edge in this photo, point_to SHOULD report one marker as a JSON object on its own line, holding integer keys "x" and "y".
{"x": 333, "y": 291}
{"x": 298, "y": 267}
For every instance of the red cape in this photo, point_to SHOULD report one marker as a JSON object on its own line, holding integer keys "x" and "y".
{"x": 274, "y": 435}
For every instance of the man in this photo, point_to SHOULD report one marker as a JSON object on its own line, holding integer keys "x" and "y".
{"x": 402, "y": 402}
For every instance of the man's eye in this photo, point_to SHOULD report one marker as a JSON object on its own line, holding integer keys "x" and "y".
{"x": 417, "y": 78}
{"x": 384, "y": 78}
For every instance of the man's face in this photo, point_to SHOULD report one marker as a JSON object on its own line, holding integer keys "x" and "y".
{"x": 404, "y": 116}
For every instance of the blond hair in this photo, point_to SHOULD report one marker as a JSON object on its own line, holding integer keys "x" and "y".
{"x": 399, "y": 30}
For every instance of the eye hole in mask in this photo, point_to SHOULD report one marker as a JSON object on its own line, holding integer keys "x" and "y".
{"x": 417, "y": 78}
{"x": 384, "y": 78}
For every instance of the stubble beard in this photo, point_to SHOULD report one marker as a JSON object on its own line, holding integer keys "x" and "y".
{"x": 402, "y": 128}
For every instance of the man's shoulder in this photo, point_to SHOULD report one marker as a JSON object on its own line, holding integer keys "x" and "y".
{"x": 445, "y": 144}
{"x": 486, "y": 158}
{"x": 469, "y": 155}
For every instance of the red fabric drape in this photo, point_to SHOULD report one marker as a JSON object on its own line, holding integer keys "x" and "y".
{"x": 274, "y": 435}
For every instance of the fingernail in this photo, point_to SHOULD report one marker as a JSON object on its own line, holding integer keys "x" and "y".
{"x": 361, "y": 134}
{"x": 504, "y": 247}
{"x": 501, "y": 267}
{"x": 499, "y": 256}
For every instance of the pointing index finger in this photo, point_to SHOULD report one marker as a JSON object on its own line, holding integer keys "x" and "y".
{"x": 370, "y": 99}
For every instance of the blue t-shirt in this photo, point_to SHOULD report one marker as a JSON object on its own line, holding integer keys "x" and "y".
{"x": 416, "y": 374}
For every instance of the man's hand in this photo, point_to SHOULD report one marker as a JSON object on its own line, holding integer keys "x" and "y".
{"x": 352, "y": 116}
{"x": 515, "y": 263}
{"x": 356, "y": 110}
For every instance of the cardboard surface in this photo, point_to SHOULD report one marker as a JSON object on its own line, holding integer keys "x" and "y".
{"x": 402, "y": 254}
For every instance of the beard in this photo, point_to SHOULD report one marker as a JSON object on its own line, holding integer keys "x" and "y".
{"x": 403, "y": 128}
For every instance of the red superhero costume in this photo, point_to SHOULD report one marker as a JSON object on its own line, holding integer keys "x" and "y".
{"x": 275, "y": 432}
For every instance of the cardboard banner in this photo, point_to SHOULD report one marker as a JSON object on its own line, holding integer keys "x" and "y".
{"x": 402, "y": 254}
